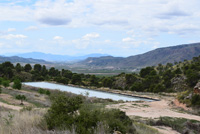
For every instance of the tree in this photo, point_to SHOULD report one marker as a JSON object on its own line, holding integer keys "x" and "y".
{"x": 137, "y": 86}
{"x": 192, "y": 77}
{"x": 17, "y": 84}
{"x": 53, "y": 72}
{"x": 27, "y": 68}
{"x": 22, "y": 98}
{"x": 146, "y": 71}
{"x": 18, "y": 67}
{"x": 93, "y": 80}
{"x": 44, "y": 70}
{"x": 130, "y": 79}
{"x": 76, "y": 79}
{"x": 6, "y": 83}
{"x": 37, "y": 67}
{"x": 107, "y": 82}
{"x": 7, "y": 65}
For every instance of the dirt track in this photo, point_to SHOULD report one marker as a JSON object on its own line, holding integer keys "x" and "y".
{"x": 154, "y": 109}
{"x": 10, "y": 106}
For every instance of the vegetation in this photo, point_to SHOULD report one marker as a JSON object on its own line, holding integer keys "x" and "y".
{"x": 162, "y": 78}
{"x": 68, "y": 112}
{"x": 22, "y": 98}
{"x": 73, "y": 113}
{"x": 43, "y": 91}
{"x": 17, "y": 84}
{"x": 181, "y": 125}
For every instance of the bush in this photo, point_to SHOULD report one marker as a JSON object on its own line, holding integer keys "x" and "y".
{"x": 42, "y": 91}
{"x": 0, "y": 90}
{"x": 62, "y": 111}
{"x": 6, "y": 83}
{"x": 22, "y": 98}
{"x": 71, "y": 112}
{"x": 17, "y": 84}
{"x": 195, "y": 100}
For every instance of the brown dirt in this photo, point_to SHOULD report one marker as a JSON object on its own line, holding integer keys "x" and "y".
{"x": 181, "y": 105}
{"x": 10, "y": 106}
{"x": 154, "y": 109}
{"x": 12, "y": 101}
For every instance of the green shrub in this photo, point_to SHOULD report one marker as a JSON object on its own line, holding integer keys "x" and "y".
{"x": 41, "y": 91}
{"x": 17, "y": 84}
{"x": 71, "y": 112}
{"x": 62, "y": 111}
{"x": 0, "y": 90}
{"x": 195, "y": 101}
{"x": 21, "y": 97}
{"x": 48, "y": 92}
{"x": 6, "y": 83}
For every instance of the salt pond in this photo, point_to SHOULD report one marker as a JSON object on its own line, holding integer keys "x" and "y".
{"x": 92, "y": 93}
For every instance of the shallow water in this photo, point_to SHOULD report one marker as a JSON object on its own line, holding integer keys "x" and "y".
{"x": 92, "y": 93}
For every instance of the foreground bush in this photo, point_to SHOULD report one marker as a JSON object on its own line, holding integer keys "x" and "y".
{"x": 71, "y": 112}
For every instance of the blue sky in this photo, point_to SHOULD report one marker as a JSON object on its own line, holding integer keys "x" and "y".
{"x": 79, "y": 27}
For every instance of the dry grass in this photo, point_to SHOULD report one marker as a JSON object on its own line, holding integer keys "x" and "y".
{"x": 25, "y": 122}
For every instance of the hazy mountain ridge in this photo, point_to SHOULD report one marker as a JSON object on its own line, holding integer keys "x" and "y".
{"x": 15, "y": 59}
{"x": 161, "y": 55}
{"x": 57, "y": 58}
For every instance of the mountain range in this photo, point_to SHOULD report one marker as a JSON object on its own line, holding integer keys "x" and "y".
{"x": 57, "y": 58}
{"x": 151, "y": 58}
{"x": 16, "y": 59}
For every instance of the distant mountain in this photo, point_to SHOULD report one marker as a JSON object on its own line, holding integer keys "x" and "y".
{"x": 151, "y": 58}
{"x": 16, "y": 59}
{"x": 57, "y": 58}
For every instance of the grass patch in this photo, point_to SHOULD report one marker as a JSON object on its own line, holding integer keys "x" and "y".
{"x": 2, "y": 100}
{"x": 144, "y": 129}
{"x": 181, "y": 125}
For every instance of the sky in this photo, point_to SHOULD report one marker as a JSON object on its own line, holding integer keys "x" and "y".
{"x": 80, "y": 27}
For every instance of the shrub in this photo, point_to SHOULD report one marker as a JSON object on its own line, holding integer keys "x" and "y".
{"x": 22, "y": 98}
{"x": 0, "y": 90}
{"x": 60, "y": 114}
{"x": 195, "y": 100}
{"x": 71, "y": 112}
{"x": 17, "y": 84}
{"x": 41, "y": 91}
{"x": 6, "y": 83}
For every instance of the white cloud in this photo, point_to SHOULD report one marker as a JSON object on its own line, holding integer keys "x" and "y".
{"x": 11, "y": 29}
{"x": 151, "y": 15}
{"x": 128, "y": 39}
{"x": 57, "y": 38}
{"x": 90, "y": 36}
{"x": 13, "y": 36}
{"x": 31, "y": 28}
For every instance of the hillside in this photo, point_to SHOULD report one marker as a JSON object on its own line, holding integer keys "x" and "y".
{"x": 151, "y": 58}
{"x": 16, "y": 59}
{"x": 57, "y": 58}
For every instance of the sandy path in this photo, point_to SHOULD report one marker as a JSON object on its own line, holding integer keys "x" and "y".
{"x": 10, "y": 106}
{"x": 154, "y": 109}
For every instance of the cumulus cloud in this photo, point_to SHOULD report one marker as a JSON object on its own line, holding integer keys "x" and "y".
{"x": 13, "y": 36}
{"x": 31, "y": 28}
{"x": 57, "y": 38}
{"x": 90, "y": 36}
{"x": 126, "y": 14}
{"x": 128, "y": 39}
{"x": 11, "y": 29}
{"x": 55, "y": 21}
